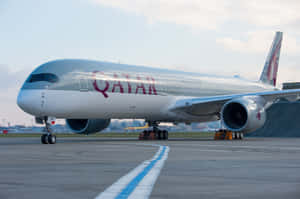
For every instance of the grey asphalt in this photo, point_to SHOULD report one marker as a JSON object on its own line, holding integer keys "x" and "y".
{"x": 195, "y": 168}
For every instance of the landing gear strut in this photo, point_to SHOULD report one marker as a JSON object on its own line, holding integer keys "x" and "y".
{"x": 154, "y": 134}
{"x": 48, "y": 138}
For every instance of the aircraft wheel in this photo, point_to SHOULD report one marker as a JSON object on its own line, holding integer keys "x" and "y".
{"x": 51, "y": 139}
{"x": 235, "y": 136}
{"x": 241, "y": 136}
{"x": 146, "y": 135}
{"x": 159, "y": 134}
{"x": 165, "y": 135}
{"x": 44, "y": 139}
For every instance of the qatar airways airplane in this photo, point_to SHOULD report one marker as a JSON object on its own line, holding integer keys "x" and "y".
{"x": 88, "y": 94}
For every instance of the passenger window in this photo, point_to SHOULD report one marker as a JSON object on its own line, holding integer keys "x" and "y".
{"x": 46, "y": 77}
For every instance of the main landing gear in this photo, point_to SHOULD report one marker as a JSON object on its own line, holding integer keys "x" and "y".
{"x": 48, "y": 138}
{"x": 154, "y": 134}
{"x": 224, "y": 134}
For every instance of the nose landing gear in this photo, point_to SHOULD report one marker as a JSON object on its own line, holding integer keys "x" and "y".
{"x": 48, "y": 137}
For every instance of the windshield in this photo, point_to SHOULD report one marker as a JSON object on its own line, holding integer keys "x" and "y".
{"x": 47, "y": 77}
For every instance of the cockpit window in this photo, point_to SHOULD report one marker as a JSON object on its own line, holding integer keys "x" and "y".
{"x": 47, "y": 77}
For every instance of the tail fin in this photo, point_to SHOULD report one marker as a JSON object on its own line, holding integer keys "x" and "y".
{"x": 269, "y": 73}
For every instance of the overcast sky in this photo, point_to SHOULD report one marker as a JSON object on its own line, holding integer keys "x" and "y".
{"x": 225, "y": 37}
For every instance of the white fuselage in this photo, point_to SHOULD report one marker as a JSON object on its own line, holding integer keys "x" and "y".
{"x": 106, "y": 90}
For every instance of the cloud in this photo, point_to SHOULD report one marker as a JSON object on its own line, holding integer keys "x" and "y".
{"x": 10, "y": 78}
{"x": 11, "y": 82}
{"x": 264, "y": 17}
{"x": 199, "y": 14}
{"x": 268, "y": 12}
{"x": 260, "y": 42}
{"x": 211, "y": 14}
{"x": 288, "y": 73}
{"x": 248, "y": 45}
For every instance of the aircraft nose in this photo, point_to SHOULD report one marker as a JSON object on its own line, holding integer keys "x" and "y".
{"x": 20, "y": 100}
{"x": 29, "y": 102}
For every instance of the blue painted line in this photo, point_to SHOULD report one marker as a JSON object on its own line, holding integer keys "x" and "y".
{"x": 133, "y": 184}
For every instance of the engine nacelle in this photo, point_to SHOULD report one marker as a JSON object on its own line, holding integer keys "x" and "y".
{"x": 87, "y": 126}
{"x": 244, "y": 114}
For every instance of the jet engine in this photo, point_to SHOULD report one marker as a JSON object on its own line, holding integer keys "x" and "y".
{"x": 244, "y": 114}
{"x": 87, "y": 126}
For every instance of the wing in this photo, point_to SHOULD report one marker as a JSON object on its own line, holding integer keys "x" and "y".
{"x": 212, "y": 105}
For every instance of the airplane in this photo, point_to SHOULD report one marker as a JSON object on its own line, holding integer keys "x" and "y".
{"x": 88, "y": 94}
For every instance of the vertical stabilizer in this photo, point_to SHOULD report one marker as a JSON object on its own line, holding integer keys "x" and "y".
{"x": 269, "y": 74}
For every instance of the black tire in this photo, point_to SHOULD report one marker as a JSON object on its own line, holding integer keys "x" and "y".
{"x": 235, "y": 136}
{"x": 44, "y": 139}
{"x": 146, "y": 135}
{"x": 51, "y": 139}
{"x": 241, "y": 136}
{"x": 165, "y": 134}
{"x": 159, "y": 132}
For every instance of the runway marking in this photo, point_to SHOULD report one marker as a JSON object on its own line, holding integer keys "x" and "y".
{"x": 139, "y": 182}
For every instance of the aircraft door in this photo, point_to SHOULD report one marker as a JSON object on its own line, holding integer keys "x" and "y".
{"x": 43, "y": 98}
{"x": 83, "y": 85}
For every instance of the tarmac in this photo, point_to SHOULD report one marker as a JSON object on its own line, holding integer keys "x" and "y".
{"x": 195, "y": 168}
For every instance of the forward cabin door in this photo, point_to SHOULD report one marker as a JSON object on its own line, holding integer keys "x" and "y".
{"x": 43, "y": 99}
{"x": 83, "y": 85}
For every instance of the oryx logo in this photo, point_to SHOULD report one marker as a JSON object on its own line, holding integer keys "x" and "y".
{"x": 258, "y": 116}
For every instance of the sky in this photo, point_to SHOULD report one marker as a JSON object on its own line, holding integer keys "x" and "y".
{"x": 228, "y": 37}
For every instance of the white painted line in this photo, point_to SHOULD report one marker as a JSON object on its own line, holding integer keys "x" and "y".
{"x": 139, "y": 182}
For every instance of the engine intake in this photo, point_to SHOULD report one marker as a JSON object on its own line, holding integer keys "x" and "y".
{"x": 87, "y": 126}
{"x": 235, "y": 115}
{"x": 244, "y": 114}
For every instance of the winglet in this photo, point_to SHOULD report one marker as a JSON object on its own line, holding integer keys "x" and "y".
{"x": 269, "y": 74}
